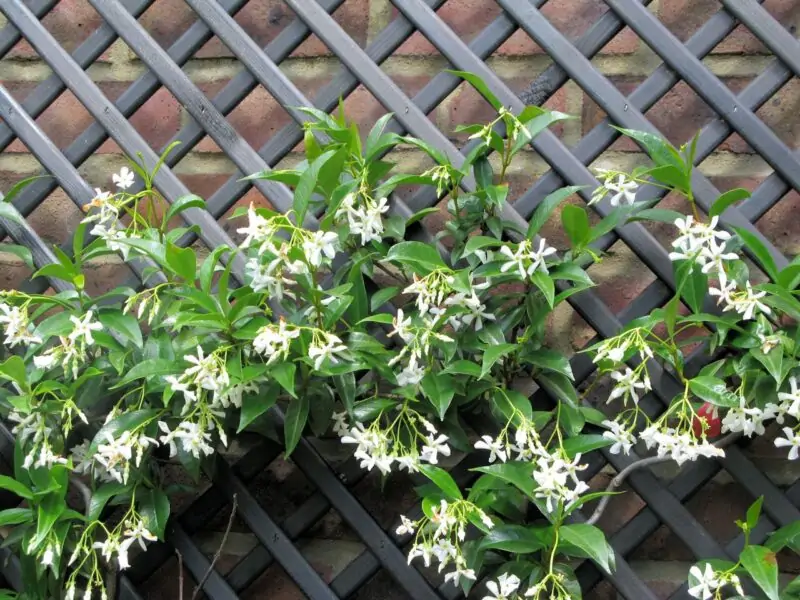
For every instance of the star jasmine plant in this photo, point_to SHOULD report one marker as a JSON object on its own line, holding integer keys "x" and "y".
{"x": 344, "y": 317}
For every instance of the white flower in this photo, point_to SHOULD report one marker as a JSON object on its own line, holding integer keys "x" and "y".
{"x": 48, "y": 556}
{"x": 319, "y": 244}
{"x": 749, "y": 303}
{"x": 627, "y": 385}
{"x": 44, "y": 361}
{"x": 526, "y": 260}
{"x": 124, "y": 179}
{"x": 323, "y": 347}
{"x": 460, "y": 572}
{"x": 139, "y": 533}
{"x": 401, "y": 326}
{"x": 792, "y": 399}
{"x": 115, "y": 455}
{"x": 622, "y": 438}
{"x": 366, "y": 221}
{"x": 433, "y": 447}
{"x": 503, "y": 588}
{"x": 707, "y": 582}
{"x": 748, "y": 420}
{"x": 84, "y": 328}
{"x": 17, "y": 326}
{"x": 268, "y": 277}
{"x": 168, "y": 438}
{"x": 624, "y": 189}
{"x": 412, "y": 374}
{"x": 258, "y": 229}
{"x": 406, "y": 526}
{"x": 194, "y": 440}
{"x": 274, "y": 342}
{"x": 791, "y": 440}
{"x": 495, "y": 447}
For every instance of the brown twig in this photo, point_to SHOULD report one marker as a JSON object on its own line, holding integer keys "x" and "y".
{"x": 644, "y": 462}
{"x": 218, "y": 553}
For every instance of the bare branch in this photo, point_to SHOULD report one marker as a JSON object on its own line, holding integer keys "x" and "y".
{"x": 218, "y": 553}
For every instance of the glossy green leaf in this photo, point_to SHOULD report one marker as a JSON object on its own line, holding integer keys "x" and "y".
{"x": 591, "y": 541}
{"x": 443, "y": 480}
{"x": 727, "y": 199}
{"x": 547, "y": 206}
{"x": 421, "y": 258}
{"x": 713, "y": 390}
{"x": 439, "y": 389}
{"x": 762, "y": 566}
{"x": 295, "y": 422}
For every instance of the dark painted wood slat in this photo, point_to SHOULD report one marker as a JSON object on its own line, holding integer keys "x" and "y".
{"x": 195, "y": 102}
{"x": 619, "y": 109}
{"x": 270, "y": 535}
{"x": 710, "y": 88}
{"x": 106, "y": 113}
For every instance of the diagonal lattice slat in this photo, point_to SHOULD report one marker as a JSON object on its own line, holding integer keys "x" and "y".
{"x": 665, "y": 502}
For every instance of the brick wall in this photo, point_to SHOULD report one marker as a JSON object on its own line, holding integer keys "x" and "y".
{"x": 625, "y": 60}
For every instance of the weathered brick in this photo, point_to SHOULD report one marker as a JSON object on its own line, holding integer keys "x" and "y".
{"x": 263, "y": 20}
{"x": 684, "y": 17}
{"x": 572, "y": 17}
{"x": 70, "y": 22}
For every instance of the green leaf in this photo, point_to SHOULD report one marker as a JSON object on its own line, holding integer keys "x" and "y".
{"x": 284, "y": 374}
{"x": 129, "y": 421}
{"x": 21, "y": 185}
{"x": 518, "y": 474}
{"x": 533, "y": 127}
{"x": 21, "y": 252}
{"x": 550, "y": 360}
{"x": 575, "y": 220}
{"x": 759, "y": 250}
{"x": 772, "y": 361}
{"x": 255, "y": 405}
{"x": 660, "y": 215}
{"x": 443, "y": 481}
{"x": 183, "y": 203}
{"x": 101, "y": 496}
{"x": 49, "y": 511}
{"x": 307, "y": 185}
{"x": 754, "y": 512}
{"x": 358, "y": 308}
{"x": 585, "y": 443}
{"x": 494, "y": 353}
{"x": 517, "y": 539}
{"x": 14, "y": 369}
{"x": 148, "y": 368}
{"x": 125, "y": 324}
{"x": 713, "y": 390}
{"x": 296, "y": 417}
{"x": 154, "y": 506}
{"x": 463, "y": 367}
{"x": 788, "y": 535}
{"x": 659, "y": 149}
{"x": 762, "y": 566}
{"x": 12, "y": 485}
{"x": 15, "y": 516}
{"x": 346, "y": 388}
{"x": 480, "y": 86}
{"x": 382, "y": 296}
{"x": 480, "y": 241}
{"x": 591, "y": 541}
{"x": 182, "y": 261}
{"x": 692, "y": 283}
{"x": 559, "y": 386}
{"x": 544, "y": 282}
{"x": 547, "y": 206}
{"x": 439, "y": 389}
{"x": 726, "y": 199}
{"x": 208, "y": 268}
{"x": 422, "y": 258}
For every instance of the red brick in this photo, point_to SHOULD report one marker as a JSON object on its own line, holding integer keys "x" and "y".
{"x": 70, "y": 22}
{"x": 66, "y": 118}
{"x": 678, "y": 115}
{"x": 684, "y": 17}
{"x": 572, "y": 17}
{"x": 263, "y": 20}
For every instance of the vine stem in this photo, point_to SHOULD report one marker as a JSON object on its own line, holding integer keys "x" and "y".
{"x": 218, "y": 553}
{"x": 644, "y": 462}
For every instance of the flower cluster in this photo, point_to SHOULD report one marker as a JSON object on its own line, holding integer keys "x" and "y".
{"x": 622, "y": 187}
{"x": 364, "y": 216}
{"x": 709, "y": 583}
{"x": 524, "y": 260}
{"x": 439, "y": 535}
{"x": 400, "y": 442}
